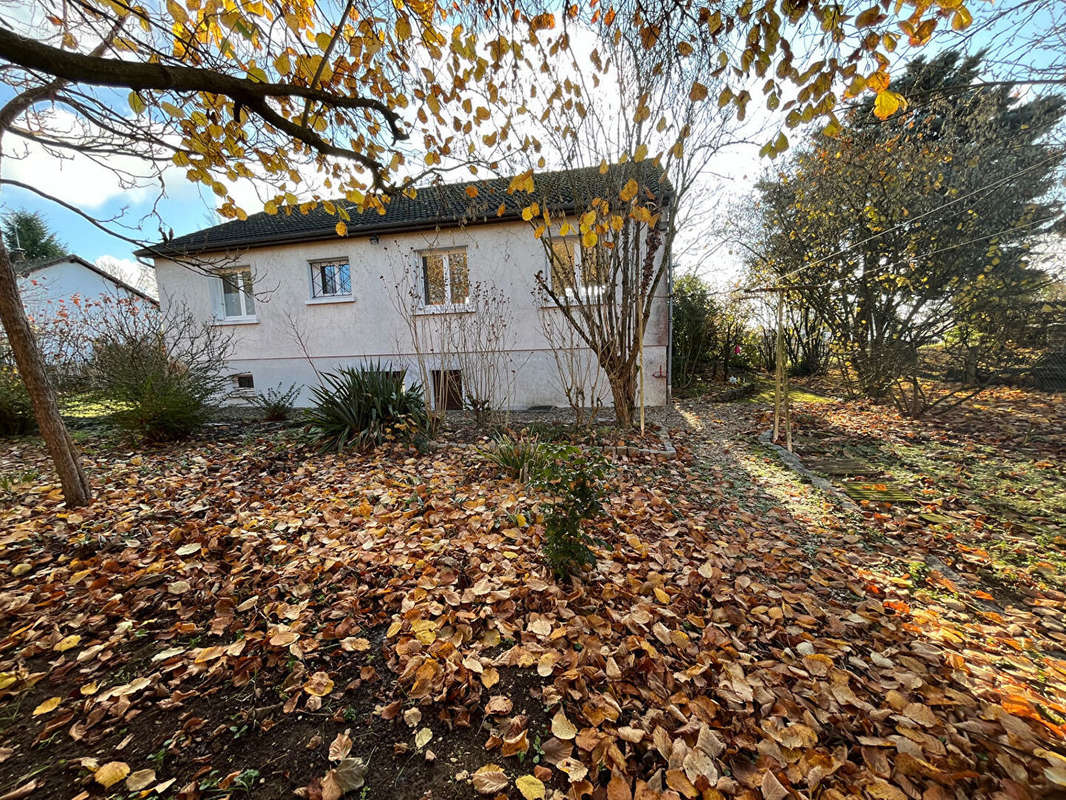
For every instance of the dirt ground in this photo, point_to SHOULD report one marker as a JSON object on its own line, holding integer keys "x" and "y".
{"x": 241, "y": 616}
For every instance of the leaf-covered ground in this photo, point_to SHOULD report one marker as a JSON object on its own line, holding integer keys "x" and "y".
{"x": 240, "y": 616}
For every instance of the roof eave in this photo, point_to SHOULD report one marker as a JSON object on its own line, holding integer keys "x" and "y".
{"x": 163, "y": 251}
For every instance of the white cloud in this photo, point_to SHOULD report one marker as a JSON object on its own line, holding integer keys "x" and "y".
{"x": 74, "y": 177}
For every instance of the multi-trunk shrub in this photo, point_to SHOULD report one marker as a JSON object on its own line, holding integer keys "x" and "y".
{"x": 366, "y": 407}
{"x": 164, "y": 374}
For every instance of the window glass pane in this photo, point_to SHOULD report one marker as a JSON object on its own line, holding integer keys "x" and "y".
{"x": 249, "y": 300}
{"x": 328, "y": 279}
{"x": 562, "y": 265}
{"x": 460, "y": 277}
{"x": 433, "y": 277}
{"x": 231, "y": 296}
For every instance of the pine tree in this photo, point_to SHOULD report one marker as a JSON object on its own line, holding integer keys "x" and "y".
{"x": 28, "y": 233}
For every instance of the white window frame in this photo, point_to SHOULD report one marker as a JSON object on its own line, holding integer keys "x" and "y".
{"x": 220, "y": 296}
{"x": 337, "y": 297}
{"x": 447, "y": 305}
{"x": 578, "y": 293}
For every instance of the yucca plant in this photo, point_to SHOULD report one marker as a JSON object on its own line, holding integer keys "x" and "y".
{"x": 365, "y": 407}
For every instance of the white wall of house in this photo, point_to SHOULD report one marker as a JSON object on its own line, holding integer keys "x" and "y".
{"x": 68, "y": 286}
{"x": 367, "y": 327}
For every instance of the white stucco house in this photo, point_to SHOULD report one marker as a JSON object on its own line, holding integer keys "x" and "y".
{"x": 302, "y": 300}
{"x": 70, "y": 285}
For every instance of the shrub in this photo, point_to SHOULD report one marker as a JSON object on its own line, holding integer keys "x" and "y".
{"x": 574, "y": 479}
{"x": 276, "y": 403}
{"x": 166, "y": 371}
{"x": 16, "y": 411}
{"x": 520, "y": 457}
{"x": 366, "y": 407}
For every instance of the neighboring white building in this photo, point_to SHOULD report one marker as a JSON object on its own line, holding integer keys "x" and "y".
{"x": 69, "y": 290}
{"x": 300, "y": 299}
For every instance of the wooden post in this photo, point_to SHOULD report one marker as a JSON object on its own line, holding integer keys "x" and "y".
{"x": 640, "y": 326}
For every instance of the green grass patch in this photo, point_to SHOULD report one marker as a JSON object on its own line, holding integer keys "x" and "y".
{"x": 797, "y": 394}
{"x": 90, "y": 407}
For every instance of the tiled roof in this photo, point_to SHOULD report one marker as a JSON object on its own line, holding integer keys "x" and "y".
{"x": 434, "y": 206}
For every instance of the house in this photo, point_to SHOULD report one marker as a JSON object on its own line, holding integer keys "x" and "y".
{"x": 407, "y": 287}
{"x": 64, "y": 295}
{"x": 56, "y": 286}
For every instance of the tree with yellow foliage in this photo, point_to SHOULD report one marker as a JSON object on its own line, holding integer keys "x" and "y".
{"x": 371, "y": 96}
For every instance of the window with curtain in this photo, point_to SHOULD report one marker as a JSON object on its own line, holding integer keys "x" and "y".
{"x": 238, "y": 300}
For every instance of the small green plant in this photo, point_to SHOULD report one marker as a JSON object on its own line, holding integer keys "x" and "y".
{"x": 366, "y": 407}
{"x": 574, "y": 480}
{"x": 919, "y": 573}
{"x": 18, "y": 479}
{"x": 16, "y": 411}
{"x": 520, "y": 457}
{"x": 276, "y": 403}
{"x": 246, "y": 780}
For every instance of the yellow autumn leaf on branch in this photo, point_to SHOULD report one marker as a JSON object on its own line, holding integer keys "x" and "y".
{"x": 136, "y": 103}
{"x": 629, "y": 191}
{"x": 888, "y": 103}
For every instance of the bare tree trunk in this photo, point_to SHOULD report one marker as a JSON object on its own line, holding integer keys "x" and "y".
{"x": 76, "y": 490}
{"x": 623, "y": 386}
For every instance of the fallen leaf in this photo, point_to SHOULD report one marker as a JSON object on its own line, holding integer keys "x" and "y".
{"x": 341, "y": 746}
{"x": 347, "y": 776}
{"x": 49, "y": 705}
{"x": 531, "y": 788}
{"x": 772, "y": 788}
{"x": 111, "y": 773}
{"x": 319, "y": 684}
{"x": 140, "y": 779}
{"x": 423, "y": 737}
{"x": 67, "y": 643}
{"x": 489, "y": 779}
{"x": 562, "y": 728}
